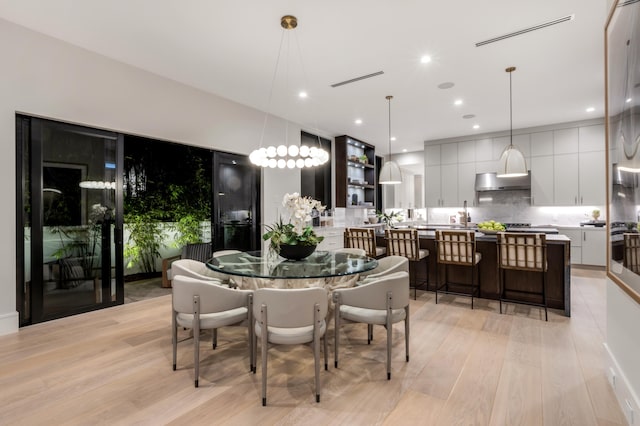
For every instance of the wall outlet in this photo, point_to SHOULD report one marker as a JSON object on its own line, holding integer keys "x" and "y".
{"x": 629, "y": 411}
{"x": 612, "y": 377}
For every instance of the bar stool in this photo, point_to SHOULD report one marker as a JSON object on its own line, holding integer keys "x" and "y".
{"x": 404, "y": 242}
{"x": 631, "y": 255}
{"x": 522, "y": 252}
{"x": 365, "y": 239}
{"x": 458, "y": 248}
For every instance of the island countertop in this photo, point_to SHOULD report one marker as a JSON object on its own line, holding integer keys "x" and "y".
{"x": 558, "y": 278}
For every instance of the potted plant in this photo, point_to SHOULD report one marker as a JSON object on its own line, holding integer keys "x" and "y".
{"x": 295, "y": 239}
{"x": 363, "y": 159}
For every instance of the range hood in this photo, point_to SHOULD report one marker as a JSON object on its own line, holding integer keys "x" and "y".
{"x": 489, "y": 182}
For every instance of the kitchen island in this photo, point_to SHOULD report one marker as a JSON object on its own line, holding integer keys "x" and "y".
{"x": 558, "y": 273}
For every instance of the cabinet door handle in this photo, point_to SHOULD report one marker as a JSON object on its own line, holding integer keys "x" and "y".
{"x": 584, "y": 236}
{"x": 581, "y": 202}
{"x": 575, "y": 200}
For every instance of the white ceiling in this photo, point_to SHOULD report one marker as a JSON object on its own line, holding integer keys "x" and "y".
{"x": 230, "y": 48}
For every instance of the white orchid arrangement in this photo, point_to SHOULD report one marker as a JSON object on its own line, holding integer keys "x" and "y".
{"x": 296, "y": 231}
{"x": 300, "y": 209}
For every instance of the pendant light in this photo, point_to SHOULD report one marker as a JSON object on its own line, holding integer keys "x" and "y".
{"x": 512, "y": 162}
{"x": 283, "y": 156}
{"x": 390, "y": 173}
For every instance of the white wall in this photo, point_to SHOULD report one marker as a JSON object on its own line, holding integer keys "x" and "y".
{"x": 623, "y": 347}
{"x": 45, "y": 77}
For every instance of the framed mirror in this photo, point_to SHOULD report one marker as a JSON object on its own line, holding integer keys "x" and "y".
{"x": 622, "y": 71}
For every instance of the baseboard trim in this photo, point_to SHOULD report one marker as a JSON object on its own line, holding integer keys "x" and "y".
{"x": 625, "y": 394}
{"x": 9, "y": 323}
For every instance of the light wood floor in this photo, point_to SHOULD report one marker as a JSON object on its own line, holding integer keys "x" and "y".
{"x": 467, "y": 367}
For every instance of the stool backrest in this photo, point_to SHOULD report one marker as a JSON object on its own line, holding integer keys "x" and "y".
{"x": 631, "y": 256}
{"x": 403, "y": 242}
{"x": 523, "y": 251}
{"x": 362, "y": 238}
{"x": 456, "y": 247}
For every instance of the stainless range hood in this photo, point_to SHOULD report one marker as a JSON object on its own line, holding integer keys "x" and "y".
{"x": 489, "y": 182}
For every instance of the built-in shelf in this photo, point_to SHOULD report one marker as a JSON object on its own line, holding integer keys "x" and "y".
{"x": 351, "y": 170}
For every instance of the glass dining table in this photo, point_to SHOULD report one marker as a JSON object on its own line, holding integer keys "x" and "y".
{"x": 256, "y": 269}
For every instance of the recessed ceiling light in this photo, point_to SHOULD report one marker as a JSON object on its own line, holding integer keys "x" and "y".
{"x": 303, "y": 94}
{"x": 458, "y": 102}
{"x": 393, "y": 138}
{"x": 468, "y": 116}
{"x": 591, "y": 109}
{"x": 425, "y": 59}
{"x": 358, "y": 121}
{"x": 476, "y": 126}
{"x": 628, "y": 100}
{"x": 404, "y": 150}
{"x": 446, "y": 85}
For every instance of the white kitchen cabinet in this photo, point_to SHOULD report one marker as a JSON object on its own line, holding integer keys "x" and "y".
{"x": 575, "y": 235}
{"x": 594, "y": 247}
{"x": 467, "y": 183}
{"x": 404, "y": 197}
{"x": 542, "y": 181}
{"x": 566, "y": 179}
{"x": 591, "y": 138}
{"x": 541, "y": 144}
{"x": 579, "y": 179}
{"x": 432, "y": 155}
{"x": 592, "y": 178}
{"x": 449, "y": 153}
{"x": 467, "y": 152}
{"x": 418, "y": 191}
{"x": 441, "y": 185}
{"x": 588, "y": 245}
{"x": 333, "y": 237}
{"x": 484, "y": 150}
{"x": 449, "y": 185}
{"x": 566, "y": 141}
{"x": 432, "y": 186}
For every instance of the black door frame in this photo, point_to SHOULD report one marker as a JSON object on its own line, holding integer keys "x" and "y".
{"x": 29, "y": 130}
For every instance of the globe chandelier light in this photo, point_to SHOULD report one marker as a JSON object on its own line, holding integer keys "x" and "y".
{"x": 390, "y": 173}
{"x": 512, "y": 162}
{"x": 286, "y": 156}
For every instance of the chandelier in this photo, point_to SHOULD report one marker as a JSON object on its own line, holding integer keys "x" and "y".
{"x": 283, "y": 156}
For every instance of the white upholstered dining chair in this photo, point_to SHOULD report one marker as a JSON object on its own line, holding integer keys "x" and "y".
{"x": 386, "y": 266}
{"x": 381, "y": 302}
{"x": 290, "y": 317}
{"x": 201, "y": 305}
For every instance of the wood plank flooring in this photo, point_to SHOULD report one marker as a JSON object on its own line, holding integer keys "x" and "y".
{"x": 468, "y": 367}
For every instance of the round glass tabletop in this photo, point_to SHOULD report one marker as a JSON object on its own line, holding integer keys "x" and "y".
{"x": 320, "y": 264}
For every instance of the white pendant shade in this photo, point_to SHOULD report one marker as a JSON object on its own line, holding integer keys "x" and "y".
{"x": 512, "y": 163}
{"x": 390, "y": 174}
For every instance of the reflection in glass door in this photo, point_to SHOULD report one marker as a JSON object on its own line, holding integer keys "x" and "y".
{"x": 71, "y": 220}
{"x": 236, "y": 189}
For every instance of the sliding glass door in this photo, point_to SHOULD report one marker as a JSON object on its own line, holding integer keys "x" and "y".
{"x": 70, "y": 206}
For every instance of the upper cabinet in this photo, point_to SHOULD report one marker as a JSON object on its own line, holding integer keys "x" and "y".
{"x": 355, "y": 173}
{"x": 579, "y": 166}
{"x": 567, "y": 167}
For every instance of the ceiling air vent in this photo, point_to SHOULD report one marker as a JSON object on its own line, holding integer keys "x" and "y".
{"x": 353, "y": 80}
{"x": 527, "y": 30}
